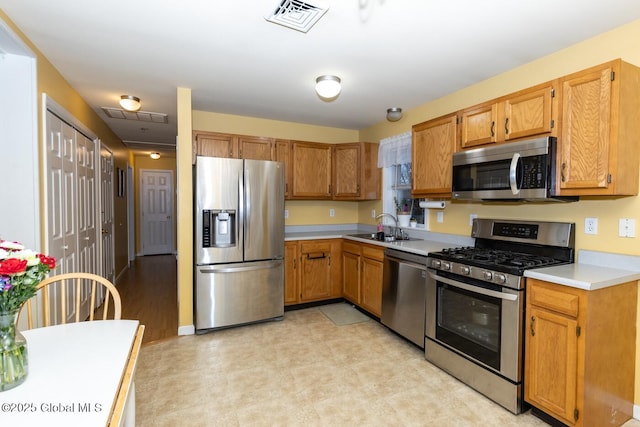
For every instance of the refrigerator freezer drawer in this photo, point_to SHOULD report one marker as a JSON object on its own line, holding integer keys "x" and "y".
{"x": 235, "y": 294}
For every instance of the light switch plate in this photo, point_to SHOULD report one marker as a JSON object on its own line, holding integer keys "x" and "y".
{"x": 627, "y": 227}
{"x": 472, "y": 217}
{"x": 440, "y": 216}
{"x": 332, "y": 212}
{"x": 286, "y": 213}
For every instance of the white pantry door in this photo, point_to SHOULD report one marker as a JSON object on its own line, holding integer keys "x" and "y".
{"x": 156, "y": 221}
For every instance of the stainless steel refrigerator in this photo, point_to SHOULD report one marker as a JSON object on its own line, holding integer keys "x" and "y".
{"x": 239, "y": 242}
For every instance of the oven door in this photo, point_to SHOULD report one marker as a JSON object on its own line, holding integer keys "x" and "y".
{"x": 478, "y": 320}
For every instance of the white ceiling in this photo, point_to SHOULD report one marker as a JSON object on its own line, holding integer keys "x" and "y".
{"x": 388, "y": 53}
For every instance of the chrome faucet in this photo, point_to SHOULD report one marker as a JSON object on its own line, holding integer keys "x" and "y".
{"x": 383, "y": 214}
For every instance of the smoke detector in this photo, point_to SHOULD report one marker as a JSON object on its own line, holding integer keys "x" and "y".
{"x": 298, "y": 15}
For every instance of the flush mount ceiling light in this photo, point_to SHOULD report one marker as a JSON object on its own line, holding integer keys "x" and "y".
{"x": 328, "y": 87}
{"x": 154, "y": 156}
{"x": 394, "y": 114}
{"x": 130, "y": 102}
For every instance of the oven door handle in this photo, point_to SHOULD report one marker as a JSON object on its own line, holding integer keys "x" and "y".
{"x": 513, "y": 183}
{"x": 476, "y": 289}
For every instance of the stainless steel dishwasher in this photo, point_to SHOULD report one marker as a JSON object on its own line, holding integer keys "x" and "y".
{"x": 403, "y": 294}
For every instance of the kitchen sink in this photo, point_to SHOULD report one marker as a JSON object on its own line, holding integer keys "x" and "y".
{"x": 387, "y": 237}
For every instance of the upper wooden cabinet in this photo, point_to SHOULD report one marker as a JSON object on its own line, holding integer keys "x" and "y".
{"x": 478, "y": 125}
{"x": 598, "y": 147}
{"x": 432, "y": 149}
{"x": 529, "y": 112}
{"x": 215, "y": 144}
{"x": 311, "y": 170}
{"x": 355, "y": 171}
{"x": 256, "y": 148}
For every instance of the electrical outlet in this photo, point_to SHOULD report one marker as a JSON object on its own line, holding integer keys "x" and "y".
{"x": 591, "y": 226}
{"x": 373, "y": 213}
{"x": 286, "y": 213}
{"x": 440, "y": 216}
{"x": 472, "y": 217}
{"x": 332, "y": 212}
{"x": 627, "y": 227}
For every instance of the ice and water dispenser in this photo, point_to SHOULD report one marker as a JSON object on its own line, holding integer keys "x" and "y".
{"x": 218, "y": 228}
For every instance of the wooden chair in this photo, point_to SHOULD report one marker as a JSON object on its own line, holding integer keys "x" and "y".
{"x": 91, "y": 284}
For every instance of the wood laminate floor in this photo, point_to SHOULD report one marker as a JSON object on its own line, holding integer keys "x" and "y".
{"x": 149, "y": 294}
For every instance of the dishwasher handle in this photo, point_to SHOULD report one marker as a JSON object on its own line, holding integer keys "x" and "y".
{"x": 476, "y": 289}
{"x": 405, "y": 262}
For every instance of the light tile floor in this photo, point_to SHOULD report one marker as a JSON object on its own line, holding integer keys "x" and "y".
{"x": 305, "y": 371}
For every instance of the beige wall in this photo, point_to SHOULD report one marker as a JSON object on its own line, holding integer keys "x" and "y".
{"x": 51, "y": 82}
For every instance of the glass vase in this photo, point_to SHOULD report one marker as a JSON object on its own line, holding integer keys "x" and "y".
{"x": 13, "y": 352}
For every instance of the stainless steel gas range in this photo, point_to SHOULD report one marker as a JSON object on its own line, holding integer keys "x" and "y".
{"x": 475, "y": 302}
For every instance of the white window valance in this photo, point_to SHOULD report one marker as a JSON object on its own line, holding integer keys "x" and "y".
{"x": 395, "y": 150}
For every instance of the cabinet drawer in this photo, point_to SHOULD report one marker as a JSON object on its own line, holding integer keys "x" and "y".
{"x": 555, "y": 300}
{"x": 313, "y": 247}
{"x": 373, "y": 252}
{"x": 350, "y": 247}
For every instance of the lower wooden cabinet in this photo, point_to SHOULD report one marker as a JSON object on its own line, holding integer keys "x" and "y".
{"x": 362, "y": 275}
{"x": 580, "y": 352}
{"x": 312, "y": 270}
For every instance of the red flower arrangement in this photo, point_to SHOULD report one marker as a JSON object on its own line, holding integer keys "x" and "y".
{"x": 20, "y": 272}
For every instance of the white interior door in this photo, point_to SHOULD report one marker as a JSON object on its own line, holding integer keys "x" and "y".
{"x": 106, "y": 213}
{"x": 156, "y": 201}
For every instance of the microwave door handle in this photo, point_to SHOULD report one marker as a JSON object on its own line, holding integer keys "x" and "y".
{"x": 513, "y": 183}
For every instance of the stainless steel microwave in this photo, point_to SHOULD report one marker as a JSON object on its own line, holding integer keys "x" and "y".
{"x": 514, "y": 171}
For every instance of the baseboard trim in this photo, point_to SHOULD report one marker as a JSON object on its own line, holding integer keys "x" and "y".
{"x": 186, "y": 330}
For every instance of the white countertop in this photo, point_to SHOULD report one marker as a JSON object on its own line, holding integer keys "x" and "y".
{"x": 74, "y": 374}
{"x": 584, "y": 276}
{"x": 595, "y": 270}
{"x": 416, "y": 246}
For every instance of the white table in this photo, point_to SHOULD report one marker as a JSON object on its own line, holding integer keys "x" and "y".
{"x": 80, "y": 374}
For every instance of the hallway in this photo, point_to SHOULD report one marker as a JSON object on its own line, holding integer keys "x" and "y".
{"x": 149, "y": 294}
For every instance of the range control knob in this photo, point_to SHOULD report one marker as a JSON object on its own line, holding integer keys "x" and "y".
{"x": 500, "y": 278}
{"x": 435, "y": 263}
{"x": 487, "y": 275}
{"x": 446, "y": 266}
{"x": 465, "y": 270}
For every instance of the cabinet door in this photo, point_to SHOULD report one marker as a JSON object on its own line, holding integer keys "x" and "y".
{"x": 256, "y": 148}
{"x": 585, "y": 135}
{"x": 432, "y": 150}
{"x": 290, "y": 273}
{"x": 528, "y": 113}
{"x": 315, "y": 273}
{"x": 479, "y": 126}
{"x": 551, "y": 363}
{"x": 351, "y": 272}
{"x": 372, "y": 284}
{"x": 347, "y": 164}
{"x": 311, "y": 173}
{"x": 215, "y": 145}
{"x": 283, "y": 150}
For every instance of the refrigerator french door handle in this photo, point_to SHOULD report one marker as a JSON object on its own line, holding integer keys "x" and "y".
{"x": 247, "y": 206}
{"x": 240, "y": 219}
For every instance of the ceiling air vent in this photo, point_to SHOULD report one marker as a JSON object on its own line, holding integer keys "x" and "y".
{"x": 298, "y": 15}
{"x": 142, "y": 116}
